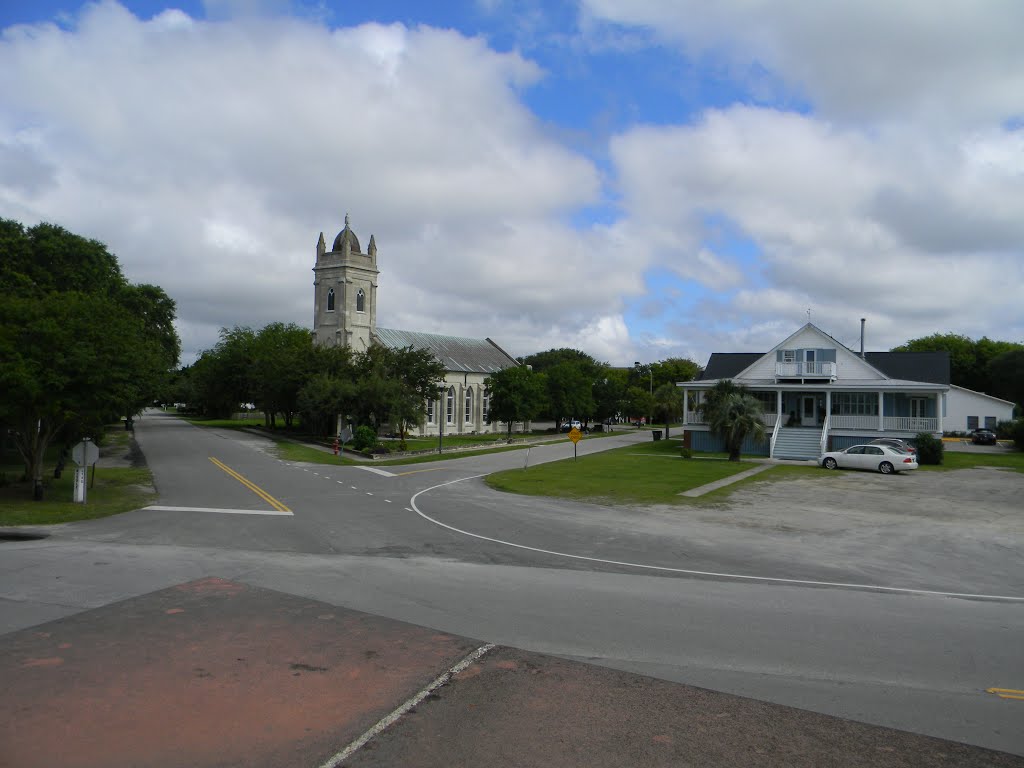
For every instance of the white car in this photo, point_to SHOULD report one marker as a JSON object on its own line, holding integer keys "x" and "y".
{"x": 881, "y": 458}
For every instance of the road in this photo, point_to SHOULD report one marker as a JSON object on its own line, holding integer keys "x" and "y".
{"x": 866, "y": 619}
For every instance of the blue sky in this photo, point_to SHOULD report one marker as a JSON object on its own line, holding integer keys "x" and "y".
{"x": 639, "y": 179}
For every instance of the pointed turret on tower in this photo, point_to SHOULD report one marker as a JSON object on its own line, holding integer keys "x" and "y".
{"x": 345, "y": 292}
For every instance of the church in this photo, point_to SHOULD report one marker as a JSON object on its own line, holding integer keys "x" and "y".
{"x": 345, "y": 315}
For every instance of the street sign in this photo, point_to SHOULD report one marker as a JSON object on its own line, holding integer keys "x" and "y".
{"x": 575, "y": 435}
{"x": 85, "y": 453}
{"x": 346, "y": 434}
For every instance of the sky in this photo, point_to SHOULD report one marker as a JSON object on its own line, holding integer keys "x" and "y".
{"x": 638, "y": 179}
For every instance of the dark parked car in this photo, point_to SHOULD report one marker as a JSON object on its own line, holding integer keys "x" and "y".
{"x": 895, "y": 442}
{"x": 983, "y": 437}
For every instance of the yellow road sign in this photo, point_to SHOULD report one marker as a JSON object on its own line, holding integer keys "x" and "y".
{"x": 575, "y": 435}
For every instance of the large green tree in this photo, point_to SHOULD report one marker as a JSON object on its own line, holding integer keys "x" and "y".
{"x": 395, "y": 384}
{"x": 79, "y": 345}
{"x": 968, "y": 359}
{"x": 1007, "y": 373}
{"x": 517, "y": 394}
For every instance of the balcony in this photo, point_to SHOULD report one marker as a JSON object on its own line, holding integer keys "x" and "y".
{"x": 805, "y": 370}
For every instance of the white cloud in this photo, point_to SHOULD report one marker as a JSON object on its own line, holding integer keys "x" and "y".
{"x": 923, "y": 235}
{"x": 960, "y": 62}
{"x": 209, "y": 156}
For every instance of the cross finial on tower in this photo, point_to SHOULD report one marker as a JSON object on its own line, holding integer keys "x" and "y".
{"x": 346, "y": 221}
{"x": 808, "y": 314}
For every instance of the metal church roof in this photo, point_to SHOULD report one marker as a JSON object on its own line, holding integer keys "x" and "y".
{"x": 455, "y": 353}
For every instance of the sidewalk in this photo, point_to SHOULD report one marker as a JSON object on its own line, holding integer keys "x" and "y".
{"x": 217, "y": 673}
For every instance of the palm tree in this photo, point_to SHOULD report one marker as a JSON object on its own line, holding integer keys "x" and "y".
{"x": 668, "y": 403}
{"x": 733, "y": 414}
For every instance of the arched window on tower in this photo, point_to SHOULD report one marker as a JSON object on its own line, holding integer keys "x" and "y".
{"x": 330, "y": 300}
{"x": 449, "y": 411}
{"x": 469, "y": 407}
{"x": 360, "y": 301}
{"x": 486, "y": 404}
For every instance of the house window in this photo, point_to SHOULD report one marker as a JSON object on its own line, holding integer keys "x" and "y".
{"x": 330, "y": 300}
{"x": 972, "y": 423}
{"x": 990, "y": 422}
{"x": 468, "y": 418}
{"x": 360, "y": 301}
{"x": 487, "y": 406}
{"x": 855, "y": 404}
{"x": 449, "y": 410}
{"x": 430, "y": 411}
{"x": 789, "y": 355}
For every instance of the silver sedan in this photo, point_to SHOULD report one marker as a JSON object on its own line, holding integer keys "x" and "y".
{"x": 880, "y": 458}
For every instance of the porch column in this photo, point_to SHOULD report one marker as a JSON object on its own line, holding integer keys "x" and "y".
{"x": 881, "y": 414}
{"x": 938, "y": 408}
{"x": 686, "y": 405}
{"x": 778, "y": 406}
{"x": 828, "y": 404}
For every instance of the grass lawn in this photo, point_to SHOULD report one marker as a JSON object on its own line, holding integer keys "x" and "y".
{"x": 116, "y": 490}
{"x": 964, "y": 460}
{"x": 647, "y": 473}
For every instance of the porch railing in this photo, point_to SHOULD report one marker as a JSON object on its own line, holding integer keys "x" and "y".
{"x": 824, "y": 435}
{"x": 802, "y": 370}
{"x": 893, "y": 423}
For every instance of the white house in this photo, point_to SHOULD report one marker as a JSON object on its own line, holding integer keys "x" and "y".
{"x": 819, "y": 395}
{"x": 967, "y": 410}
{"x": 345, "y": 314}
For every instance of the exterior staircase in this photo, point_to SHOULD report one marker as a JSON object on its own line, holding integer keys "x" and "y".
{"x": 797, "y": 443}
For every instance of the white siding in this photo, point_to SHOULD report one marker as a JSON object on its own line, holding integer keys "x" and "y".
{"x": 848, "y": 365}
{"x": 961, "y": 403}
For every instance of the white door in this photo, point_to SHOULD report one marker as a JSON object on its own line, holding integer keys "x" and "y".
{"x": 808, "y": 411}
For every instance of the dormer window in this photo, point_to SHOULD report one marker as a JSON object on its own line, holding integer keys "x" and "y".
{"x": 789, "y": 355}
{"x": 330, "y": 300}
{"x": 360, "y": 301}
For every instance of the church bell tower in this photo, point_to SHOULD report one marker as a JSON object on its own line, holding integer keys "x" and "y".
{"x": 345, "y": 292}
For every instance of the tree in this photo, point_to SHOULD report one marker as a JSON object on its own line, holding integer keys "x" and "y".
{"x": 570, "y": 388}
{"x": 517, "y": 394}
{"x": 733, "y": 414}
{"x": 79, "y": 345}
{"x": 282, "y": 356}
{"x": 673, "y": 370}
{"x": 609, "y": 393}
{"x": 1007, "y": 374}
{"x": 668, "y": 404}
{"x": 968, "y": 360}
{"x": 395, "y": 384}
{"x": 638, "y": 402}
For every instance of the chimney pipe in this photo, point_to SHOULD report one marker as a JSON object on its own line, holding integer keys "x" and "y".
{"x": 862, "y": 321}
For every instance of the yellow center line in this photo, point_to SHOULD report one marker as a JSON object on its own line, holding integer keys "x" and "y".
{"x": 418, "y": 471}
{"x": 1006, "y": 693}
{"x": 251, "y": 486}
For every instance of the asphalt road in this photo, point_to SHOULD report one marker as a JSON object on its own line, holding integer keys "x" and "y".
{"x": 847, "y": 596}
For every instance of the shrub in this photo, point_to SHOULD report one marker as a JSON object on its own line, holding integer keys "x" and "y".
{"x": 364, "y": 438}
{"x": 686, "y": 453}
{"x": 1017, "y": 434}
{"x": 929, "y": 449}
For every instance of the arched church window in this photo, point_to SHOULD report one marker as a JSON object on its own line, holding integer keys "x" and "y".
{"x": 449, "y": 410}
{"x": 430, "y": 411}
{"x": 469, "y": 407}
{"x": 486, "y": 403}
{"x": 360, "y": 301}
{"x": 330, "y": 300}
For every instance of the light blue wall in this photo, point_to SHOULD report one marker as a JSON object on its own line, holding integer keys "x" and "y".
{"x": 712, "y": 443}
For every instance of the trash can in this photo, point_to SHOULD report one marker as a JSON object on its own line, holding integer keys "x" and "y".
{"x": 656, "y": 433}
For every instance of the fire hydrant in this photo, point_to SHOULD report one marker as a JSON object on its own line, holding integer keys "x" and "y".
{"x": 335, "y": 446}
